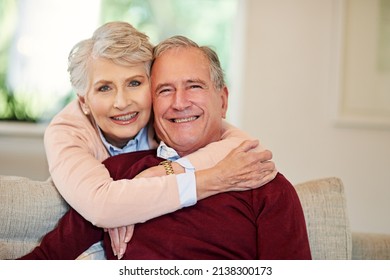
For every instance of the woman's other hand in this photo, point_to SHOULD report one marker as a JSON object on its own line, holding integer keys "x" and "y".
{"x": 119, "y": 238}
{"x": 242, "y": 169}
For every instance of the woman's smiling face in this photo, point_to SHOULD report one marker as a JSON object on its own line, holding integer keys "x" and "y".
{"x": 118, "y": 98}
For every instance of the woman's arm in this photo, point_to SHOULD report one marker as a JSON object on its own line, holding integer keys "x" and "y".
{"x": 211, "y": 154}
{"x": 248, "y": 166}
{"x": 75, "y": 152}
{"x": 243, "y": 168}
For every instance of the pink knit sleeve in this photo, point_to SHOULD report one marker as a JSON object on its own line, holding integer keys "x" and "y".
{"x": 214, "y": 152}
{"x": 75, "y": 152}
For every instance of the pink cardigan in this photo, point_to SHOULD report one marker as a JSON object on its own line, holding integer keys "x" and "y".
{"x": 75, "y": 153}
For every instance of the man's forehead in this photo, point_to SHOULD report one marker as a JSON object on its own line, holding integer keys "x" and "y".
{"x": 186, "y": 63}
{"x": 176, "y": 53}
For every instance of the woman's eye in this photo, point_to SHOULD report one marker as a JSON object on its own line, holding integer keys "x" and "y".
{"x": 104, "y": 88}
{"x": 134, "y": 83}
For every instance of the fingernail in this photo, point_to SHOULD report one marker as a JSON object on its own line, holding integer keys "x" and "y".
{"x": 121, "y": 252}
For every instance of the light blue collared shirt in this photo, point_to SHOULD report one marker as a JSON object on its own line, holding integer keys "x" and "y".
{"x": 139, "y": 143}
{"x": 186, "y": 182}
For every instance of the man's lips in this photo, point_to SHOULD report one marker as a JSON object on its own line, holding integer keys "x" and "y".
{"x": 184, "y": 120}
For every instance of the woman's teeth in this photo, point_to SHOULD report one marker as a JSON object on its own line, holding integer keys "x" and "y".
{"x": 125, "y": 117}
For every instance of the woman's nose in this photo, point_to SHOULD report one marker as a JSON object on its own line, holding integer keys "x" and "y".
{"x": 121, "y": 100}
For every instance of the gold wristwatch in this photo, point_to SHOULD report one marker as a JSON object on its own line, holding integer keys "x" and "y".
{"x": 168, "y": 167}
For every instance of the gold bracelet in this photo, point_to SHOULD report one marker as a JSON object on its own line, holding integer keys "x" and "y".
{"x": 168, "y": 167}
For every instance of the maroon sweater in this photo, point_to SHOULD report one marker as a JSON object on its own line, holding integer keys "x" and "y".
{"x": 266, "y": 223}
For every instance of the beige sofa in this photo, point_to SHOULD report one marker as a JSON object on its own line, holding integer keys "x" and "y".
{"x": 28, "y": 209}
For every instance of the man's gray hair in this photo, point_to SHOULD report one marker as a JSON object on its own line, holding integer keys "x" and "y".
{"x": 216, "y": 72}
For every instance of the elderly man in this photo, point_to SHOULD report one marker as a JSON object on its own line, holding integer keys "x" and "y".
{"x": 190, "y": 100}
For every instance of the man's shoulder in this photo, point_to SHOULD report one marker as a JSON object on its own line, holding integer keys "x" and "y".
{"x": 278, "y": 194}
{"x": 280, "y": 184}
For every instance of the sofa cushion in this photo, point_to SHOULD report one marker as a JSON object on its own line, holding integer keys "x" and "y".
{"x": 370, "y": 246}
{"x": 35, "y": 208}
{"x": 325, "y": 210}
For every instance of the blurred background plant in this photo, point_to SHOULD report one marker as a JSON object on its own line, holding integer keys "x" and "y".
{"x": 33, "y": 31}
{"x": 10, "y": 107}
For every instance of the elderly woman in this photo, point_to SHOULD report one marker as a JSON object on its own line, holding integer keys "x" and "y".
{"x": 112, "y": 115}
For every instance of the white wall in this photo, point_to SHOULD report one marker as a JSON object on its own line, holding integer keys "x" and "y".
{"x": 288, "y": 92}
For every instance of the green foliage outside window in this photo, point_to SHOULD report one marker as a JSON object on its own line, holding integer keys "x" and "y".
{"x": 10, "y": 107}
{"x": 208, "y": 22}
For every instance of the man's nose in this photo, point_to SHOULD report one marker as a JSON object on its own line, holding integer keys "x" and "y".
{"x": 181, "y": 100}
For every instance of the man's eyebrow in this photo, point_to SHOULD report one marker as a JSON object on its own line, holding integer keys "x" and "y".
{"x": 197, "y": 81}
{"x": 200, "y": 81}
{"x": 188, "y": 81}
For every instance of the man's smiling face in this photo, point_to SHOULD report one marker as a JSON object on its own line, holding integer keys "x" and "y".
{"x": 188, "y": 110}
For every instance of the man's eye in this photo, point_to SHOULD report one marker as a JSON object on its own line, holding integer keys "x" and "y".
{"x": 195, "y": 86}
{"x": 165, "y": 91}
{"x": 134, "y": 83}
{"x": 104, "y": 88}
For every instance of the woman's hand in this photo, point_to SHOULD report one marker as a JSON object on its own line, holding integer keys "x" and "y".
{"x": 119, "y": 239}
{"x": 242, "y": 169}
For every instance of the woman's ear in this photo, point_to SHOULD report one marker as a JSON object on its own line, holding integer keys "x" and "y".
{"x": 83, "y": 105}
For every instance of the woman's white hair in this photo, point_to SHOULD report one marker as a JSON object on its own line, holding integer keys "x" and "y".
{"x": 117, "y": 41}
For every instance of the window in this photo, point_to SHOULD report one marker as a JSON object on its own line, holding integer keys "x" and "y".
{"x": 38, "y": 35}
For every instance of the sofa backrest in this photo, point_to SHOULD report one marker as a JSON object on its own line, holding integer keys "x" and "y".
{"x": 324, "y": 206}
{"x": 28, "y": 210}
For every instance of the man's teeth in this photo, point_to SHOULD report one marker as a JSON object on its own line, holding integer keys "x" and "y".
{"x": 184, "y": 120}
{"x": 125, "y": 118}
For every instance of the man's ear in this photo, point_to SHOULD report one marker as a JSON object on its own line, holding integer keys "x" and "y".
{"x": 83, "y": 105}
{"x": 224, "y": 97}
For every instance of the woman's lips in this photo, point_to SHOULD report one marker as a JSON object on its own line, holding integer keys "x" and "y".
{"x": 125, "y": 119}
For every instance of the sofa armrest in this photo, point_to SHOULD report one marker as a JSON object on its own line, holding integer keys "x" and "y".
{"x": 28, "y": 210}
{"x": 324, "y": 205}
{"x": 370, "y": 246}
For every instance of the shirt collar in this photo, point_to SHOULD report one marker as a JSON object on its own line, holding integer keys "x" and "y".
{"x": 139, "y": 143}
{"x": 165, "y": 152}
